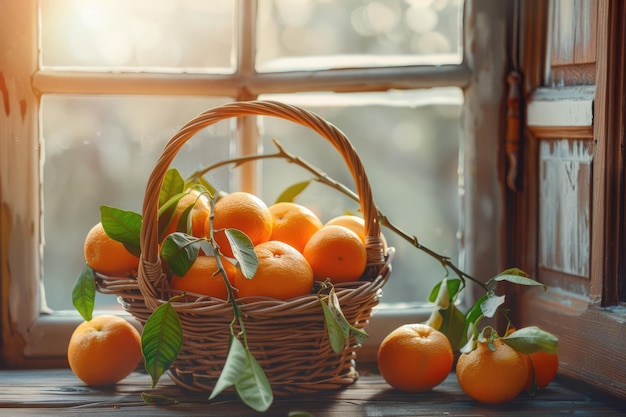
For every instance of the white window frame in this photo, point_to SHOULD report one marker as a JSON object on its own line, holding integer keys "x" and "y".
{"x": 33, "y": 335}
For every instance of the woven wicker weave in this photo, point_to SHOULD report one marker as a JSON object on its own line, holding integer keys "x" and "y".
{"x": 288, "y": 338}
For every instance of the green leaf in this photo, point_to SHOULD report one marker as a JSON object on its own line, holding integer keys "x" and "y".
{"x": 516, "y": 279}
{"x": 517, "y": 276}
{"x": 243, "y": 251}
{"x": 434, "y": 293}
{"x": 84, "y": 293}
{"x": 173, "y": 184}
{"x": 180, "y": 251}
{"x": 253, "y": 386}
{"x": 123, "y": 226}
{"x": 161, "y": 340}
{"x": 453, "y": 326}
{"x": 338, "y": 327}
{"x": 204, "y": 185}
{"x": 184, "y": 223}
{"x": 300, "y": 414}
{"x": 292, "y": 192}
{"x": 166, "y": 213}
{"x": 453, "y": 288}
{"x": 158, "y": 399}
{"x": 233, "y": 367}
{"x": 489, "y": 307}
{"x": 532, "y": 339}
{"x": 471, "y": 339}
{"x": 476, "y": 311}
{"x": 337, "y": 334}
{"x": 514, "y": 271}
{"x": 244, "y": 372}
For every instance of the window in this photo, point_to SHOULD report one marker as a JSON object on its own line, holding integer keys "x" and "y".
{"x": 111, "y": 86}
{"x": 572, "y": 238}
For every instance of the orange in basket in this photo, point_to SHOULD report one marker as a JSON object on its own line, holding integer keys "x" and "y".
{"x": 294, "y": 224}
{"x": 282, "y": 273}
{"x": 245, "y": 212}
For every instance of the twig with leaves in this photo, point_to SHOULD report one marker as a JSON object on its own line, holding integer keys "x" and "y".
{"x": 460, "y": 328}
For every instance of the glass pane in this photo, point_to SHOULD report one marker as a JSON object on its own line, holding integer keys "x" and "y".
{"x": 314, "y": 34}
{"x": 409, "y": 144}
{"x": 100, "y": 151}
{"x": 160, "y": 34}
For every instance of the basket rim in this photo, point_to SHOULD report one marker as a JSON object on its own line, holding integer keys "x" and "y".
{"x": 151, "y": 277}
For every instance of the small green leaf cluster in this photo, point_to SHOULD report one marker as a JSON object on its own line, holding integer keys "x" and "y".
{"x": 338, "y": 327}
{"x": 463, "y": 329}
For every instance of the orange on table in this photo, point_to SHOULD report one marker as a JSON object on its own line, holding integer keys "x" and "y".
{"x": 336, "y": 252}
{"x": 104, "y": 350}
{"x": 356, "y": 224}
{"x": 293, "y": 224}
{"x": 108, "y": 256}
{"x": 415, "y": 357}
{"x": 492, "y": 377}
{"x": 545, "y": 366}
{"x": 243, "y": 211}
{"x": 199, "y": 213}
{"x": 282, "y": 273}
{"x": 203, "y": 278}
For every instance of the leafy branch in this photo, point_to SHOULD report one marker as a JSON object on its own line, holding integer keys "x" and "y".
{"x": 459, "y": 327}
{"x": 241, "y": 368}
{"x": 323, "y": 178}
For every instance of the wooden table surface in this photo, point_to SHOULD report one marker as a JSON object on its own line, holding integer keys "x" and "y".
{"x": 59, "y": 392}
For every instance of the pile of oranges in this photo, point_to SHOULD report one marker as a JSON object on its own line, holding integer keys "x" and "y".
{"x": 293, "y": 247}
{"x": 417, "y": 357}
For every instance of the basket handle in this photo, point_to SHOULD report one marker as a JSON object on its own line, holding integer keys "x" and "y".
{"x": 151, "y": 276}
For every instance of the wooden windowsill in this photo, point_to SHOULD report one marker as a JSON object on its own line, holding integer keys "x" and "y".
{"x": 58, "y": 391}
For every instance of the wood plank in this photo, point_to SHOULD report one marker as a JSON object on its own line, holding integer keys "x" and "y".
{"x": 57, "y": 391}
{"x": 586, "y": 27}
{"x": 563, "y": 32}
{"x": 573, "y": 42}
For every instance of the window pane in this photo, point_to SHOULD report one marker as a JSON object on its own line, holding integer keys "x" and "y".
{"x": 299, "y": 34}
{"x": 409, "y": 144}
{"x": 138, "y": 34}
{"x": 100, "y": 151}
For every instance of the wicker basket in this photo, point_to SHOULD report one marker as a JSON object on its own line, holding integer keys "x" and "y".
{"x": 288, "y": 338}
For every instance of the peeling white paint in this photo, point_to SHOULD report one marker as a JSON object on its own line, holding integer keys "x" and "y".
{"x": 565, "y": 206}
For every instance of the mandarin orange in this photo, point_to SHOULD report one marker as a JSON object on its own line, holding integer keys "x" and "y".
{"x": 108, "y": 256}
{"x": 203, "y": 278}
{"x": 243, "y": 211}
{"x": 282, "y": 273}
{"x": 336, "y": 252}
{"x": 104, "y": 350}
{"x": 415, "y": 357}
{"x": 543, "y": 366}
{"x": 492, "y": 376}
{"x": 356, "y": 224}
{"x": 293, "y": 224}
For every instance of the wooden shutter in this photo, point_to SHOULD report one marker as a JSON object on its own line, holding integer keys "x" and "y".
{"x": 569, "y": 215}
